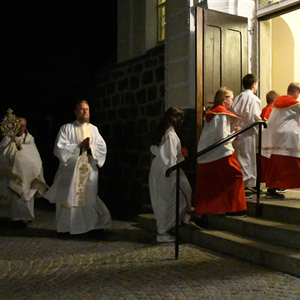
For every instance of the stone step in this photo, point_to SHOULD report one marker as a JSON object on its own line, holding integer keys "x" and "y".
{"x": 280, "y": 258}
{"x": 274, "y": 256}
{"x": 287, "y": 211}
{"x": 266, "y": 230}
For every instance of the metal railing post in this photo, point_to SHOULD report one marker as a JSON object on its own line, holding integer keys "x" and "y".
{"x": 258, "y": 179}
{"x": 177, "y": 168}
{"x": 177, "y": 213}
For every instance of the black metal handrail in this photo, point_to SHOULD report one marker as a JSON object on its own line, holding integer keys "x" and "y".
{"x": 177, "y": 167}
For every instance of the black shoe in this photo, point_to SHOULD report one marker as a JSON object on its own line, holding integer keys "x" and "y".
{"x": 240, "y": 214}
{"x": 272, "y": 194}
{"x": 201, "y": 222}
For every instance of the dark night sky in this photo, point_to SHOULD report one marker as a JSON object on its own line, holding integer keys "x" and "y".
{"x": 50, "y": 52}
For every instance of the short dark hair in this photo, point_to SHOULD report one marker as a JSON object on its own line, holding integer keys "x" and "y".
{"x": 249, "y": 80}
{"x": 80, "y": 101}
{"x": 271, "y": 96}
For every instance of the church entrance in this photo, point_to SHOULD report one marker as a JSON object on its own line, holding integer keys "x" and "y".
{"x": 279, "y": 63}
{"x": 221, "y": 56}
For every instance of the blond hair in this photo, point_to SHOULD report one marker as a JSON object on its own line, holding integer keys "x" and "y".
{"x": 221, "y": 94}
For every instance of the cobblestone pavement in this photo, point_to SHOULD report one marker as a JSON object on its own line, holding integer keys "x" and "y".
{"x": 36, "y": 263}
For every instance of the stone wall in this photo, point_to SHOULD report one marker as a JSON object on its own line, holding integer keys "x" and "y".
{"x": 128, "y": 103}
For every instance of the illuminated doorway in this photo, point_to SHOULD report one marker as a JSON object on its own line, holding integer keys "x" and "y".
{"x": 279, "y": 53}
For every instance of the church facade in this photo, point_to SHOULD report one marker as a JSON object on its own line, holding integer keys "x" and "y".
{"x": 179, "y": 53}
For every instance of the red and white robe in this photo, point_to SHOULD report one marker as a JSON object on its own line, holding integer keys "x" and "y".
{"x": 219, "y": 184}
{"x": 283, "y": 144}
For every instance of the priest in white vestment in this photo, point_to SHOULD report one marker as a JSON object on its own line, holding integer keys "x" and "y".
{"x": 21, "y": 176}
{"x": 247, "y": 106}
{"x": 81, "y": 150}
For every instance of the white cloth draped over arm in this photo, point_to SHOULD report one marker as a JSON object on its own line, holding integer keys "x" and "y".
{"x": 8, "y": 149}
{"x": 169, "y": 152}
{"x": 66, "y": 146}
{"x": 28, "y": 168}
{"x": 98, "y": 147}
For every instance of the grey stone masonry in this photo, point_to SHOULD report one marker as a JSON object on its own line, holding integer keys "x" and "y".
{"x": 128, "y": 103}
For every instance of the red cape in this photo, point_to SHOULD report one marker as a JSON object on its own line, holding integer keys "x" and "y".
{"x": 285, "y": 102}
{"x": 218, "y": 110}
{"x": 266, "y": 112}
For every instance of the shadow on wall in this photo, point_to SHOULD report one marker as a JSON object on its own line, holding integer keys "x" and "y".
{"x": 120, "y": 186}
{"x": 123, "y": 180}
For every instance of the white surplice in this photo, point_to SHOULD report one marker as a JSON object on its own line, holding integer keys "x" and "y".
{"x": 247, "y": 106}
{"x": 217, "y": 129}
{"x": 283, "y": 130}
{"x": 75, "y": 187}
{"x": 21, "y": 176}
{"x": 162, "y": 188}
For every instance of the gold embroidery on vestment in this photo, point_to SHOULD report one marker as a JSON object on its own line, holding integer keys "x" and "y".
{"x": 83, "y": 169}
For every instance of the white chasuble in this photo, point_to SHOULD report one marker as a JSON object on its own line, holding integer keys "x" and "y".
{"x": 76, "y": 181}
{"x": 75, "y": 186}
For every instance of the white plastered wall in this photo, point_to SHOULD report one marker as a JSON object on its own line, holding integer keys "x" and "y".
{"x": 279, "y": 53}
{"x": 285, "y": 50}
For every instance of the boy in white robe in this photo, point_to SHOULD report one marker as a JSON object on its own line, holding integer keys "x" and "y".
{"x": 283, "y": 141}
{"x": 81, "y": 150}
{"x": 247, "y": 106}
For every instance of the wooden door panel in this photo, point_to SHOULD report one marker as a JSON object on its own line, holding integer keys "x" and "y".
{"x": 212, "y": 66}
{"x": 232, "y": 62}
{"x": 222, "y": 45}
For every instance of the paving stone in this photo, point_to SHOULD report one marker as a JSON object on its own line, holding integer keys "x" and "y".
{"x": 36, "y": 263}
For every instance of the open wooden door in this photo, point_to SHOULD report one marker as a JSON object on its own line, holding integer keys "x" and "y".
{"x": 221, "y": 56}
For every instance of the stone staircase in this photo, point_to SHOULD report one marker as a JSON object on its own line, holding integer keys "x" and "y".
{"x": 272, "y": 240}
